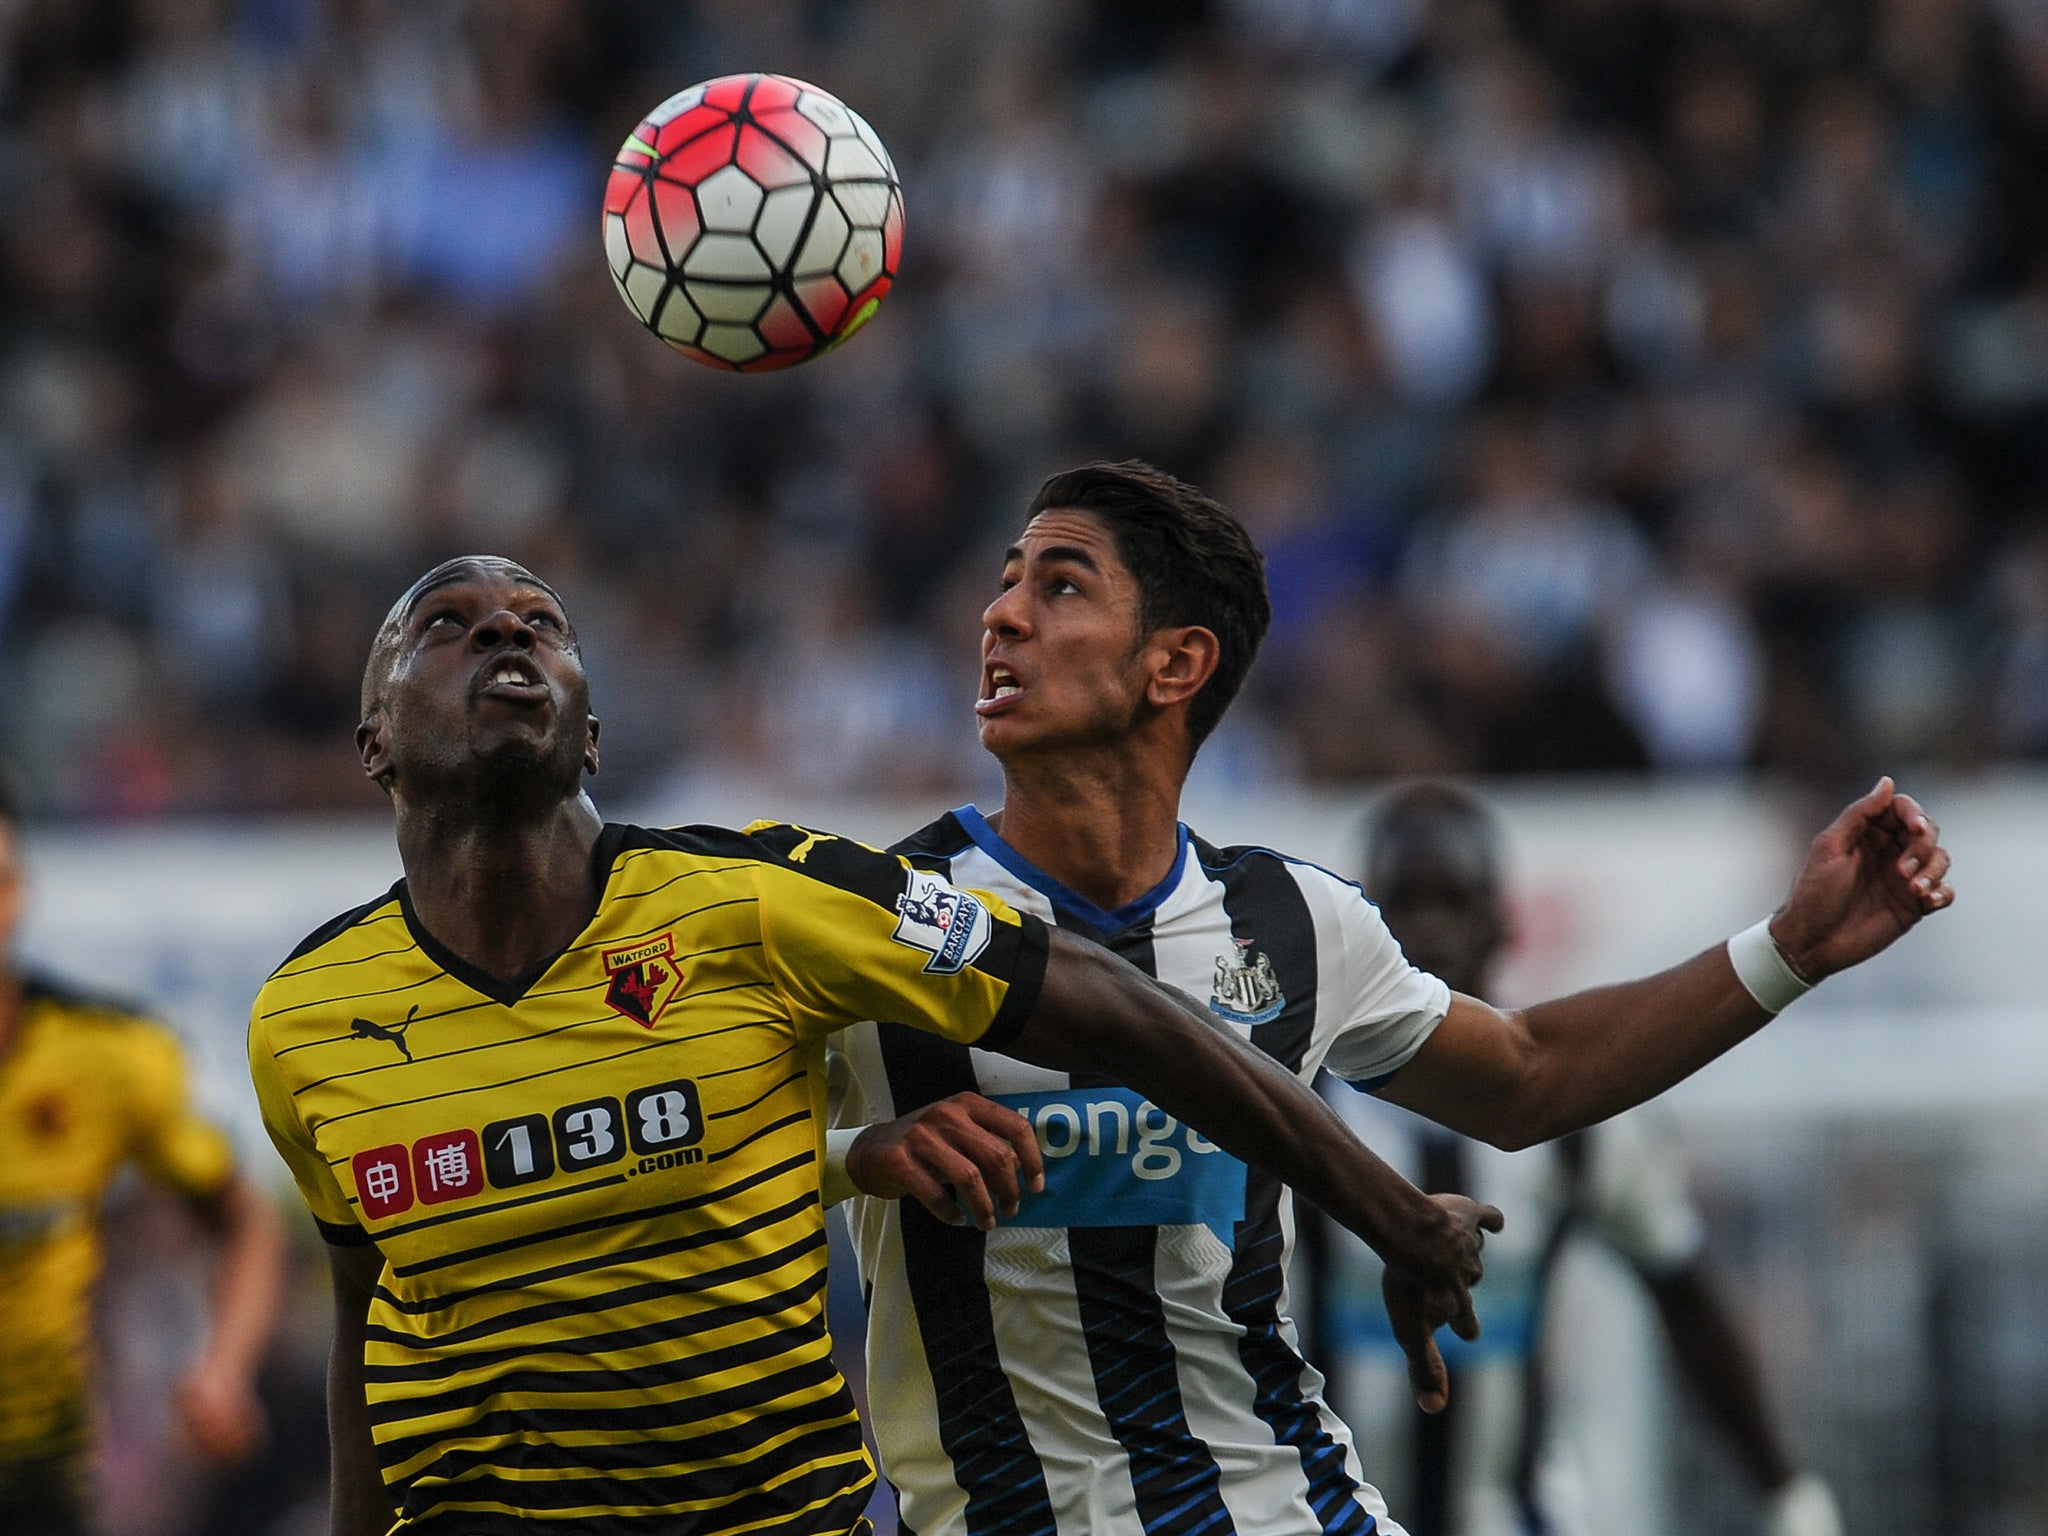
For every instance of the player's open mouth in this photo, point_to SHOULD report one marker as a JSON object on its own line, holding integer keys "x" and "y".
{"x": 512, "y": 677}
{"x": 999, "y": 685}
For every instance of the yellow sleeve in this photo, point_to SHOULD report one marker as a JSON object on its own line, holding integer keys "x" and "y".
{"x": 166, "y": 1137}
{"x": 322, "y": 1191}
{"x": 851, "y": 933}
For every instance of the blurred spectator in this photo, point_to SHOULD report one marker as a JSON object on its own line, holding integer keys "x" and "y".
{"x": 1684, "y": 660}
{"x": 1527, "y": 560}
{"x": 1426, "y": 301}
{"x": 301, "y": 294}
{"x": 2020, "y": 681}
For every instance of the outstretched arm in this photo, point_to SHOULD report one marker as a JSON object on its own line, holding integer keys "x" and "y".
{"x": 1518, "y": 1078}
{"x": 217, "y": 1396}
{"x": 1098, "y": 1013}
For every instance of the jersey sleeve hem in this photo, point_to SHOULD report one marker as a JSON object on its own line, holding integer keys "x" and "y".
{"x": 1027, "y": 980}
{"x": 343, "y": 1235}
{"x": 1373, "y": 1075}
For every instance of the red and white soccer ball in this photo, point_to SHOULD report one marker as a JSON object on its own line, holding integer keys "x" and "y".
{"x": 753, "y": 221}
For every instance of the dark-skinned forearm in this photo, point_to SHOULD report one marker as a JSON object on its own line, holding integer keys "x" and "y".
{"x": 1100, "y": 1014}
{"x": 358, "y": 1504}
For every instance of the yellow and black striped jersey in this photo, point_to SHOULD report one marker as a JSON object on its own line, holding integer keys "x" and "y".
{"x": 594, "y": 1187}
{"x": 86, "y": 1088}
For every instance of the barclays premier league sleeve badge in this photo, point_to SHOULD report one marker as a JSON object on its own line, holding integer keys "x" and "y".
{"x": 945, "y": 922}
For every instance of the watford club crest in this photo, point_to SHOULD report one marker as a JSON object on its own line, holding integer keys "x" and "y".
{"x": 644, "y": 979}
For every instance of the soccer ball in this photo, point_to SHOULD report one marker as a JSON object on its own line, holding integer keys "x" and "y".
{"x": 753, "y": 221}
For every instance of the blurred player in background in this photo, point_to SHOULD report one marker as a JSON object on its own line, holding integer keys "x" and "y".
{"x": 553, "y": 1101}
{"x": 1433, "y": 867}
{"x": 1120, "y": 1360}
{"x": 86, "y": 1089}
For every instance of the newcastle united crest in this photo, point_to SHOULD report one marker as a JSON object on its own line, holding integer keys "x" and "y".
{"x": 1245, "y": 990}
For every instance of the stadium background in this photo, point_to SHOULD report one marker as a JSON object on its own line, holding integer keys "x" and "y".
{"x": 1640, "y": 402}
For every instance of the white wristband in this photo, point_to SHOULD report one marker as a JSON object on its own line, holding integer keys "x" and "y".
{"x": 834, "y": 1183}
{"x": 1763, "y": 970}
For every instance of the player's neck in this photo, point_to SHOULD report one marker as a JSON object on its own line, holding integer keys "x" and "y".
{"x": 502, "y": 896}
{"x": 1107, "y": 825}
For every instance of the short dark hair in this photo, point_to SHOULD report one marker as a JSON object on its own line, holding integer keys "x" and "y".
{"x": 1193, "y": 562}
{"x": 12, "y": 801}
{"x": 1432, "y": 808}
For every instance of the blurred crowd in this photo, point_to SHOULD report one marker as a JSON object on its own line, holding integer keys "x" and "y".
{"x": 1612, "y": 384}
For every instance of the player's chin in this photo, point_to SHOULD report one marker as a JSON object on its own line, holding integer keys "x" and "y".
{"x": 1004, "y": 732}
{"x": 531, "y": 738}
{"x": 531, "y": 754}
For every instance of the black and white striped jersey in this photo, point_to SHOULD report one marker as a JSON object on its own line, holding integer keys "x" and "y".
{"x": 1481, "y": 1467}
{"x": 1118, "y": 1360}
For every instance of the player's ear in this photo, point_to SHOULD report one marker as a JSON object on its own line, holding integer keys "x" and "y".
{"x": 373, "y": 742}
{"x": 590, "y": 749}
{"x": 1184, "y": 658}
